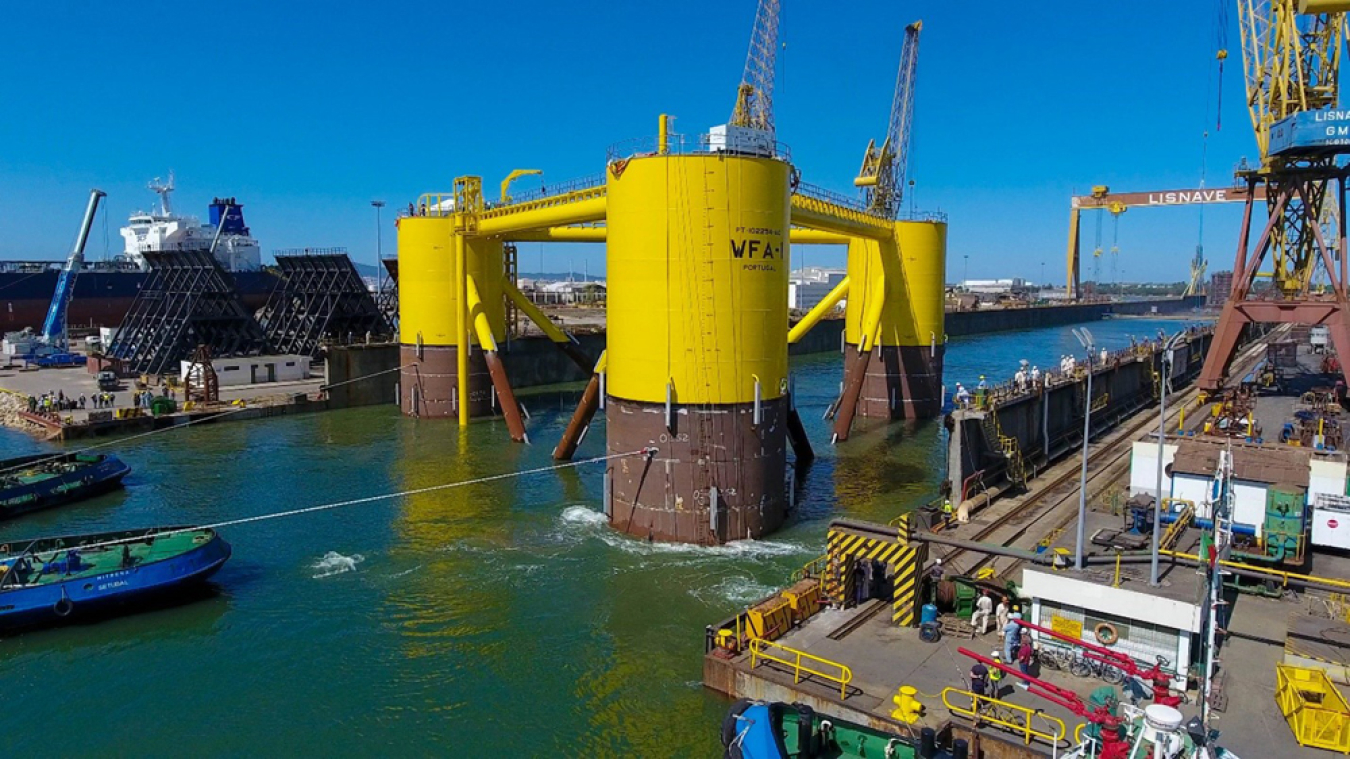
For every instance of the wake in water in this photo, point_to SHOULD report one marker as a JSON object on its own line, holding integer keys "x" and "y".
{"x": 586, "y": 522}
{"x": 334, "y": 563}
{"x": 738, "y": 590}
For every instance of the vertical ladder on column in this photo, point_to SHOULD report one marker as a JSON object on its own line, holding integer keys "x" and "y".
{"x": 512, "y": 263}
{"x": 705, "y": 283}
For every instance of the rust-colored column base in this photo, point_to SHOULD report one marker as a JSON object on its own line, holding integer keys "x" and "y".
{"x": 900, "y": 382}
{"x": 668, "y": 496}
{"x": 427, "y": 386}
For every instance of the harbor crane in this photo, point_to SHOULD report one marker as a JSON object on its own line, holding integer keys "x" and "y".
{"x": 754, "y": 96}
{"x": 1291, "y": 52}
{"x": 52, "y": 346}
{"x": 882, "y": 176}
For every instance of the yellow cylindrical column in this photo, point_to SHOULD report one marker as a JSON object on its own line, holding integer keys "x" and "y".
{"x": 903, "y": 278}
{"x": 697, "y": 344}
{"x": 429, "y": 329}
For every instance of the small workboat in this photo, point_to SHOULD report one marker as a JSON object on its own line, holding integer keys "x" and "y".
{"x": 763, "y": 730}
{"x": 53, "y": 580}
{"x": 29, "y": 483}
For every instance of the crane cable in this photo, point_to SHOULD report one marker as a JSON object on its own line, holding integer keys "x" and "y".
{"x": 648, "y": 452}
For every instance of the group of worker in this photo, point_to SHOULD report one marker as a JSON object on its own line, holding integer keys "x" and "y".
{"x": 1024, "y": 380}
{"x": 962, "y": 396}
{"x": 1017, "y": 645}
{"x": 51, "y": 403}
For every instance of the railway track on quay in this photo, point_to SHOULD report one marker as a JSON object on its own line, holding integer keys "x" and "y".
{"x": 1056, "y": 499}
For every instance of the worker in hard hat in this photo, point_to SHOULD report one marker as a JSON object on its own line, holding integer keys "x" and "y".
{"x": 962, "y": 396}
{"x": 934, "y": 576}
{"x": 995, "y": 676}
{"x": 948, "y": 512}
{"x": 981, "y": 390}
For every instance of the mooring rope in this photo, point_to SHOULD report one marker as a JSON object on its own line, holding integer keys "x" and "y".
{"x": 359, "y": 501}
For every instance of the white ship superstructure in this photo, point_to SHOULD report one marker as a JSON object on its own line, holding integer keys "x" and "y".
{"x": 167, "y": 231}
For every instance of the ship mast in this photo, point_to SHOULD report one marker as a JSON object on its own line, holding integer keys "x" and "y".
{"x": 163, "y": 189}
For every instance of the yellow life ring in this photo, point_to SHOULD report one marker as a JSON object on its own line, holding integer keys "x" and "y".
{"x": 1106, "y": 633}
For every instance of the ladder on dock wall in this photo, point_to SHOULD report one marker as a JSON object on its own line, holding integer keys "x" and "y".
{"x": 1017, "y": 464}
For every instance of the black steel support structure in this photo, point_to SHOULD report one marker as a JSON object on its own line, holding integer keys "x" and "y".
{"x": 321, "y": 299}
{"x": 188, "y": 301}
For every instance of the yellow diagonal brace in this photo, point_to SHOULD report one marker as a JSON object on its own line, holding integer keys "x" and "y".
{"x": 819, "y": 311}
{"x": 532, "y": 311}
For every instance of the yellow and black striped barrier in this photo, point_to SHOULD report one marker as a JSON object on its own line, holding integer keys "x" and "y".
{"x": 849, "y": 541}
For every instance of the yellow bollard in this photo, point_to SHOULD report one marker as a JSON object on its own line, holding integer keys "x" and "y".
{"x": 908, "y": 709}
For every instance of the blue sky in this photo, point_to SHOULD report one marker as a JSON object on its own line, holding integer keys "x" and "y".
{"x": 306, "y": 111}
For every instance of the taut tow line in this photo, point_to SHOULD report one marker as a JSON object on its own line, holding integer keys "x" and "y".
{"x": 647, "y": 452}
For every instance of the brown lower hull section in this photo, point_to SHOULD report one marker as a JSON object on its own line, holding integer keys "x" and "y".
{"x": 900, "y": 382}
{"x": 709, "y": 456}
{"x": 428, "y": 385}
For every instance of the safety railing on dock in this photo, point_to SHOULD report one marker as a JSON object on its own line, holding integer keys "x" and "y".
{"x": 813, "y": 568}
{"x": 1001, "y": 393}
{"x": 1015, "y": 718}
{"x": 801, "y": 662}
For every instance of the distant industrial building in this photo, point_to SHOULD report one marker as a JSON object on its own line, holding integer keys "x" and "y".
{"x": 809, "y": 286}
{"x": 995, "y": 286}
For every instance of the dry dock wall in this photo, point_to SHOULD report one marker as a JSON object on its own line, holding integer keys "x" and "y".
{"x": 1044, "y": 424}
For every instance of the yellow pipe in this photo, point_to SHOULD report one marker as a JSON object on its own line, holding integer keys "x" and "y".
{"x": 580, "y": 207}
{"x": 602, "y": 363}
{"x": 1286, "y": 576}
{"x": 818, "y": 311}
{"x": 536, "y": 316}
{"x": 663, "y": 135}
{"x": 478, "y": 314}
{"x": 461, "y": 330}
{"x": 560, "y": 234}
{"x": 816, "y": 237}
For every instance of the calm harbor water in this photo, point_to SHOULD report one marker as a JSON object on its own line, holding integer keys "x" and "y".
{"x": 500, "y": 619}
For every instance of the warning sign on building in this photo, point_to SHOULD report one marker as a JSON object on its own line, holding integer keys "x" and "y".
{"x": 1066, "y": 626}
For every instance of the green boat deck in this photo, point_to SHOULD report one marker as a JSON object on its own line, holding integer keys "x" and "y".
{"x": 98, "y": 560}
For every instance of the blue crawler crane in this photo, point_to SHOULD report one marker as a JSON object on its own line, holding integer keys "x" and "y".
{"x": 52, "y": 347}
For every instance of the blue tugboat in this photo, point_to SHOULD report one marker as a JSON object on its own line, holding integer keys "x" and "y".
{"x": 53, "y": 580}
{"x": 29, "y": 483}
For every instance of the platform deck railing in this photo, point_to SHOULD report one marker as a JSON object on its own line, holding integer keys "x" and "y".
{"x": 801, "y": 663}
{"x": 1013, "y": 717}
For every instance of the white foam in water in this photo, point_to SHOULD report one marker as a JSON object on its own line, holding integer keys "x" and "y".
{"x": 583, "y": 515}
{"x": 334, "y": 563}
{"x": 737, "y": 590}
{"x": 595, "y": 523}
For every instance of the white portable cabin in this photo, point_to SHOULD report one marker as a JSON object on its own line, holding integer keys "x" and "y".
{"x": 253, "y": 370}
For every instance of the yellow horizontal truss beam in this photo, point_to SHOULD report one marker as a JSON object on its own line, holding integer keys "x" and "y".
{"x": 822, "y": 215}
{"x": 799, "y": 236}
{"x": 577, "y": 207}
